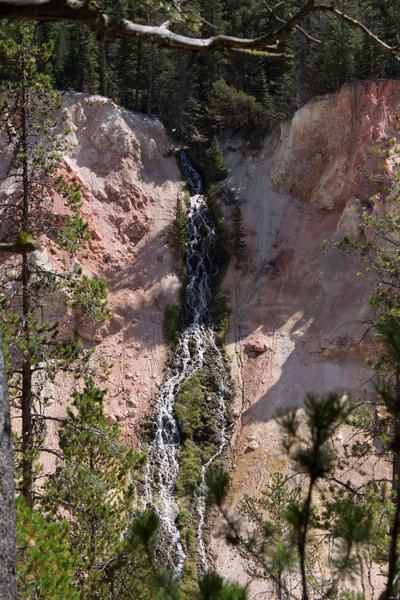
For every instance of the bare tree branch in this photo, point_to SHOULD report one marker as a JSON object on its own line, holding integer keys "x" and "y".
{"x": 394, "y": 50}
{"x": 87, "y": 12}
{"x": 271, "y": 11}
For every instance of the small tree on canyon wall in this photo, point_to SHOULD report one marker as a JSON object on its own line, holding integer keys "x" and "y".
{"x": 311, "y": 533}
{"x": 29, "y": 188}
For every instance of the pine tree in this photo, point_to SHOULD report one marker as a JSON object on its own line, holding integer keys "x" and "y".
{"x": 178, "y": 235}
{"x": 296, "y": 522}
{"x": 28, "y": 190}
{"x": 215, "y": 161}
{"x": 93, "y": 488}
{"x": 46, "y": 563}
{"x": 237, "y": 236}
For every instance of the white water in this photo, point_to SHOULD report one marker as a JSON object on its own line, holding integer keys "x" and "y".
{"x": 197, "y": 339}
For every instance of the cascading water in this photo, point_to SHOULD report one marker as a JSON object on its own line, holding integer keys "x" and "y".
{"x": 197, "y": 339}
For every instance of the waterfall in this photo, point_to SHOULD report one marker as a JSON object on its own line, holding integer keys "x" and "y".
{"x": 197, "y": 338}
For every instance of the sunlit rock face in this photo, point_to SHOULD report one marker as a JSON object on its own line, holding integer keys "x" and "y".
{"x": 299, "y": 311}
{"x": 129, "y": 187}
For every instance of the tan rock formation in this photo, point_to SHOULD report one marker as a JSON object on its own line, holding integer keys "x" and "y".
{"x": 129, "y": 189}
{"x": 298, "y": 311}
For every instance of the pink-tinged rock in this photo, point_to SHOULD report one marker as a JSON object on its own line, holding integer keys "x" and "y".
{"x": 323, "y": 150}
{"x": 111, "y": 420}
{"x": 256, "y": 343}
{"x": 251, "y": 446}
{"x": 138, "y": 227}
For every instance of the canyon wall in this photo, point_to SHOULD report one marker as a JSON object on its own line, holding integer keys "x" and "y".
{"x": 130, "y": 183}
{"x": 298, "y": 311}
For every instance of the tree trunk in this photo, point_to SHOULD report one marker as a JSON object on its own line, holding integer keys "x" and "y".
{"x": 26, "y": 400}
{"x": 138, "y": 82}
{"x": 8, "y": 542}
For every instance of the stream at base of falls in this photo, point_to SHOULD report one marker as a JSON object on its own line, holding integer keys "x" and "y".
{"x": 196, "y": 346}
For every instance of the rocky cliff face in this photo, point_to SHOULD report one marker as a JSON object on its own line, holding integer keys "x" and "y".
{"x": 129, "y": 190}
{"x": 297, "y": 310}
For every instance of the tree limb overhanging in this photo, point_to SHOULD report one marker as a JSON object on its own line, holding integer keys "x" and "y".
{"x": 112, "y": 26}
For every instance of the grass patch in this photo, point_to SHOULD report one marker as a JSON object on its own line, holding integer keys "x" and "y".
{"x": 188, "y": 406}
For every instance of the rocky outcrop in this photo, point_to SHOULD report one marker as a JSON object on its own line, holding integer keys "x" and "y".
{"x": 129, "y": 187}
{"x": 298, "y": 311}
{"x": 129, "y": 184}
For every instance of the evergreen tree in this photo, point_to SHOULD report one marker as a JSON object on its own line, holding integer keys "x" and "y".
{"x": 296, "y": 522}
{"x": 45, "y": 561}
{"x": 93, "y": 488}
{"x": 27, "y": 119}
{"x": 215, "y": 162}
{"x": 178, "y": 235}
{"x": 237, "y": 236}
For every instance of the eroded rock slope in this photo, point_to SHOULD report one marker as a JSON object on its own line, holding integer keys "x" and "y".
{"x": 129, "y": 189}
{"x": 298, "y": 311}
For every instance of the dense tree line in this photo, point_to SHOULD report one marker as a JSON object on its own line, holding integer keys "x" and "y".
{"x": 198, "y": 96}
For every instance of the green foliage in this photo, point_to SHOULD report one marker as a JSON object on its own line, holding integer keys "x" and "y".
{"x": 90, "y": 296}
{"x": 188, "y": 405}
{"x": 237, "y": 234}
{"x": 178, "y": 235}
{"x": 237, "y": 112}
{"x": 158, "y": 81}
{"x": 190, "y": 463}
{"x": 313, "y": 454}
{"x": 272, "y": 534}
{"x": 91, "y": 488}
{"x": 217, "y": 481}
{"x": 216, "y": 166}
{"x": 220, "y": 313}
{"x": 188, "y": 410}
{"x": 28, "y": 123}
{"x": 292, "y": 525}
{"x": 46, "y": 562}
{"x": 222, "y": 255}
{"x": 211, "y": 587}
